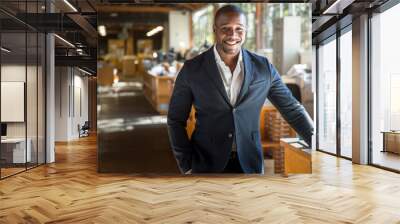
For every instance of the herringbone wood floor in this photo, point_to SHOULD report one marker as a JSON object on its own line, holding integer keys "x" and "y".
{"x": 71, "y": 191}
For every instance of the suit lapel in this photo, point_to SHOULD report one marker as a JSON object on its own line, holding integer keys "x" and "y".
{"x": 214, "y": 75}
{"x": 248, "y": 75}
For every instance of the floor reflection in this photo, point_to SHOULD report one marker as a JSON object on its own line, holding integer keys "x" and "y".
{"x": 386, "y": 159}
{"x": 132, "y": 136}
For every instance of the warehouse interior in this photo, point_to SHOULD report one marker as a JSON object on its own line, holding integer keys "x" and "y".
{"x": 85, "y": 88}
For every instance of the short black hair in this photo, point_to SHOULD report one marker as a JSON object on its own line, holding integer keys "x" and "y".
{"x": 228, "y": 9}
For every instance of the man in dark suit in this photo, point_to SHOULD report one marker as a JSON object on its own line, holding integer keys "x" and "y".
{"x": 228, "y": 85}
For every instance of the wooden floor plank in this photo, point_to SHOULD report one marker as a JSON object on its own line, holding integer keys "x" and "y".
{"x": 71, "y": 191}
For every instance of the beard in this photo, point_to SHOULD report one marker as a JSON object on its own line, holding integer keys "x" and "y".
{"x": 231, "y": 46}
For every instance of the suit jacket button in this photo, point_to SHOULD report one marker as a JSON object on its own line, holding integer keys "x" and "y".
{"x": 230, "y": 135}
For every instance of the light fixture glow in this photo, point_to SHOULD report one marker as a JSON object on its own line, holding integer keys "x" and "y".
{"x": 154, "y": 31}
{"x": 65, "y": 41}
{"x": 79, "y": 51}
{"x": 5, "y": 50}
{"x": 70, "y": 5}
{"x": 102, "y": 30}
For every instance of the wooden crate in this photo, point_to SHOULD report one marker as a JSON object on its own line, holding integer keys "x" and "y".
{"x": 158, "y": 90}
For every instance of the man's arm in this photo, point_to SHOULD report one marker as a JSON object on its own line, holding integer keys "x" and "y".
{"x": 290, "y": 109}
{"x": 178, "y": 113}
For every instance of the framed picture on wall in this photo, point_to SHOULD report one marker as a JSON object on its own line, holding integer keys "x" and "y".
{"x": 12, "y": 101}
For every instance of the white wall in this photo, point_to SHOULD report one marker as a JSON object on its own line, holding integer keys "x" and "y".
{"x": 179, "y": 29}
{"x": 62, "y": 80}
{"x": 71, "y": 92}
{"x": 81, "y": 98}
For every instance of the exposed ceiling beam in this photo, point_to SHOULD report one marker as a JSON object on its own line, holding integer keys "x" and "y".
{"x": 133, "y": 9}
{"x": 320, "y": 22}
{"x": 84, "y": 24}
{"x": 78, "y": 61}
{"x": 337, "y": 6}
{"x": 63, "y": 6}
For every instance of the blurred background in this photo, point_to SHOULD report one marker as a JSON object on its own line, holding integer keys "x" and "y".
{"x": 141, "y": 49}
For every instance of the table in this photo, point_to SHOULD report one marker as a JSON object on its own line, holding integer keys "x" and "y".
{"x": 294, "y": 157}
{"x": 391, "y": 141}
{"x": 13, "y": 150}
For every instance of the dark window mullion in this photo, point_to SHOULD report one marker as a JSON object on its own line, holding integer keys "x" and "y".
{"x": 338, "y": 95}
{"x": 369, "y": 90}
{"x": 26, "y": 86}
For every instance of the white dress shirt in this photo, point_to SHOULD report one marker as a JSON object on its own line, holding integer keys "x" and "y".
{"x": 232, "y": 81}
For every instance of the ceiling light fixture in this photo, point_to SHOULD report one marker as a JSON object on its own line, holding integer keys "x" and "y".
{"x": 84, "y": 71}
{"x": 102, "y": 30}
{"x": 337, "y": 7}
{"x": 79, "y": 51}
{"x": 154, "y": 31}
{"x": 70, "y": 5}
{"x": 65, "y": 41}
{"x": 5, "y": 50}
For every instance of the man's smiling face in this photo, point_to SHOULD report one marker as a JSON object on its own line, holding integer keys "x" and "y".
{"x": 230, "y": 32}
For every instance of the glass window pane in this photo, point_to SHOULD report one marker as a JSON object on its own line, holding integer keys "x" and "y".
{"x": 346, "y": 94}
{"x": 13, "y": 86}
{"x": 327, "y": 97}
{"x": 31, "y": 97}
{"x": 385, "y": 86}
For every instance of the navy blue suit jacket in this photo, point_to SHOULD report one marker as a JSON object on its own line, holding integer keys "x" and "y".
{"x": 218, "y": 122}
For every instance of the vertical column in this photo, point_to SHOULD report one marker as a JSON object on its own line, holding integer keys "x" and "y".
{"x": 50, "y": 92}
{"x": 50, "y": 98}
{"x": 360, "y": 90}
{"x": 314, "y": 91}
